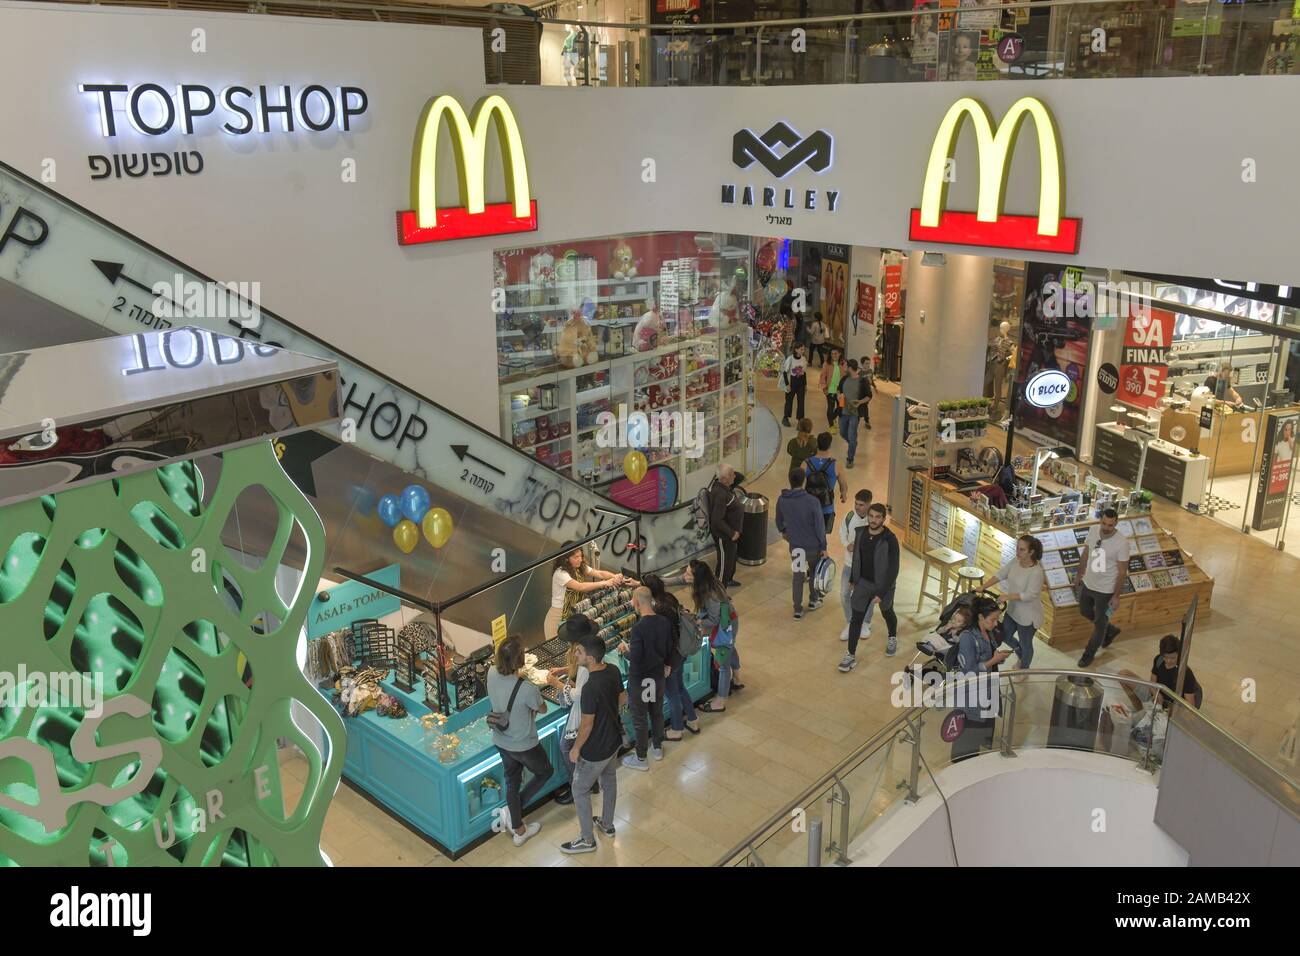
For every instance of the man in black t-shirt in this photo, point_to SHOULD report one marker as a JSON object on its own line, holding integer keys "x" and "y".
{"x": 646, "y": 651}
{"x": 1164, "y": 670}
{"x": 595, "y": 751}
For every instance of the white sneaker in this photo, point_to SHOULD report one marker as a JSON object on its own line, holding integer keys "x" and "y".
{"x": 530, "y": 831}
{"x": 844, "y": 634}
{"x": 848, "y": 663}
{"x": 657, "y": 753}
{"x": 633, "y": 762}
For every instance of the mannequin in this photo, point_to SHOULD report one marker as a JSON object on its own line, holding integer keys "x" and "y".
{"x": 1001, "y": 351}
{"x": 569, "y": 55}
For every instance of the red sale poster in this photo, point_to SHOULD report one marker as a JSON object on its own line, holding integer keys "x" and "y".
{"x": 866, "y": 308}
{"x": 893, "y": 293}
{"x": 1145, "y": 366}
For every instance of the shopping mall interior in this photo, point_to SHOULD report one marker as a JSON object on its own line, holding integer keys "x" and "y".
{"x": 954, "y": 487}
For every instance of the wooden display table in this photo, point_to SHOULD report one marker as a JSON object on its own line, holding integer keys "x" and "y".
{"x": 941, "y": 518}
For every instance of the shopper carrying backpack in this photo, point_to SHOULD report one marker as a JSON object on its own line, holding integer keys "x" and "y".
{"x": 822, "y": 480}
{"x": 686, "y": 641}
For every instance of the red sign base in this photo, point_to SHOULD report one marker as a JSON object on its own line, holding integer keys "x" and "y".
{"x": 1007, "y": 232}
{"x": 457, "y": 222}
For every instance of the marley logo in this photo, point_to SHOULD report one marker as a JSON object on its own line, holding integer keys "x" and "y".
{"x": 815, "y": 150}
{"x": 428, "y": 223}
{"x": 988, "y": 226}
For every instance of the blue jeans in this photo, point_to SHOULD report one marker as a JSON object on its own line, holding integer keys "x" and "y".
{"x": 725, "y": 671}
{"x": 849, "y": 432}
{"x": 1021, "y": 638}
{"x": 680, "y": 706}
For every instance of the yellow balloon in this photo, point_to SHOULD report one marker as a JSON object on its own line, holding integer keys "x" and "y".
{"x": 437, "y": 526}
{"x": 634, "y": 466}
{"x": 406, "y": 535}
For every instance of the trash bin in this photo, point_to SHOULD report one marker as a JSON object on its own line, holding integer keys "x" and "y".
{"x": 751, "y": 549}
{"x": 1076, "y": 714}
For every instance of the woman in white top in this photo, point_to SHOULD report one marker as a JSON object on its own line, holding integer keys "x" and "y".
{"x": 794, "y": 379}
{"x": 573, "y": 576}
{"x": 1022, "y": 580}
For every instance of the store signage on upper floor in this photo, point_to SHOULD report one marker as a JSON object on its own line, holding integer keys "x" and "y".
{"x": 1049, "y": 231}
{"x": 192, "y": 109}
{"x": 816, "y": 151}
{"x": 425, "y": 222}
{"x": 1259, "y": 291}
{"x": 1049, "y": 387}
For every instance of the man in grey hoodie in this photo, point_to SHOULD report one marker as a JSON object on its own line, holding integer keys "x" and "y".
{"x": 799, "y": 519}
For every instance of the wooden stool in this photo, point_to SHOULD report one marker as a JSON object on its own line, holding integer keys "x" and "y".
{"x": 943, "y": 561}
{"x": 969, "y": 578}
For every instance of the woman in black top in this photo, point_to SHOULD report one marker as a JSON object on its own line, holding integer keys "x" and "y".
{"x": 681, "y": 709}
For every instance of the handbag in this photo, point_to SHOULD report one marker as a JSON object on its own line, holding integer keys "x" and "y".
{"x": 723, "y": 640}
{"x": 499, "y": 720}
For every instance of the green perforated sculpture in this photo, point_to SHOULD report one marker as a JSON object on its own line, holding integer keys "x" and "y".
{"x": 168, "y": 670}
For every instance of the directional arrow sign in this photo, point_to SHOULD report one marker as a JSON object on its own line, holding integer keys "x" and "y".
{"x": 113, "y": 272}
{"x": 462, "y": 452}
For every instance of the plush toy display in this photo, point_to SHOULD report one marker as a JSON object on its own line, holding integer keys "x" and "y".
{"x": 578, "y": 344}
{"x": 621, "y": 263}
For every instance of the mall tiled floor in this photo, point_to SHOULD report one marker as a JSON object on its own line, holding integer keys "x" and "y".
{"x": 798, "y": 715}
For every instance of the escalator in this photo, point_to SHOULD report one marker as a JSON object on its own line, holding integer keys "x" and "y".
{"x": 65, "y": 273}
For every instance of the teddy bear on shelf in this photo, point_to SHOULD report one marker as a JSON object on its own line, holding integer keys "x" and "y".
{"x": 621, "y": 263}
{"x": 577, "y": 346}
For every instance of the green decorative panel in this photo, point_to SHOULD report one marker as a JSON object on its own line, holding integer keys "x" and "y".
{"x": 146, "y": 673}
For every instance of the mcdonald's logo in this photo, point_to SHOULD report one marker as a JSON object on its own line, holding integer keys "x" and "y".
{"x": 427, "y": 222}
{"x": 988, "y": 226}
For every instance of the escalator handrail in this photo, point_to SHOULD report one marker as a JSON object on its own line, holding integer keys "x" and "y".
{"x": 82, "y": 210}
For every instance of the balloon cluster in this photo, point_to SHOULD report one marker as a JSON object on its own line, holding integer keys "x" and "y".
{"x": 409, "y": 514}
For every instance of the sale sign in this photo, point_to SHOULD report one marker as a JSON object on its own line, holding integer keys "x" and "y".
{"x": 866, "y": 308}
{"x": 893, "y": 293}
{"x": 1147, "y": 339}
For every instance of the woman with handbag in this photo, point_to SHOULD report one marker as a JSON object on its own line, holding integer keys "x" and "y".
{"x": 513, "y": 719}
{"x": 714, "y": 610}
{"x": 681, "y": 709}
{"x": 571, "y": 580}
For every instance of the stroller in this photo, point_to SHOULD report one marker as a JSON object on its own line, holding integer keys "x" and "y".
{"x": 937, "y": 653}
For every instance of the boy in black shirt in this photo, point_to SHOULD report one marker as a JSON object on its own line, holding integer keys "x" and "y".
{"x": 599, "y": 735}
{"x": 646, "y": 651}
{"x": 1164, "y": 670}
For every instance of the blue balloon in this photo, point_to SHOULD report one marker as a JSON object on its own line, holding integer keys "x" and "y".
{"x": 415, "y": 502}
{"x": 390, "y": 512}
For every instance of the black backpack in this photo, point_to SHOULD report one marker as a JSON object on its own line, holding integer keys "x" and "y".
{"x": 818, "y": 483}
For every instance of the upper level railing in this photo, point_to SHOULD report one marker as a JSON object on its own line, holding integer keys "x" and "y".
{"x": 1026, "y": 39}
{"x": 900, "y": 762}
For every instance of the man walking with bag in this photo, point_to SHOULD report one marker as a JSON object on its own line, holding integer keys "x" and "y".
{"x": 800, "y": 521}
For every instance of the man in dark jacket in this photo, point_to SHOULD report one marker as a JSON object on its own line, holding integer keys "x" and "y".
{"x": 873, "y": 575}
{"x": 800, "y": 521}
{"x": 726, "y": 517}
{"x": 647, "y": 650}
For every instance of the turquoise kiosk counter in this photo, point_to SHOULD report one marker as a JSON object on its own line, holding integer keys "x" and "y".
{"x": 451, "y": 790}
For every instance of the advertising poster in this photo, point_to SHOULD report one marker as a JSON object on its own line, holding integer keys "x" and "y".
{"x": 893, "y": 293}
{"x": 980, "y": 14}
{"x": 1145, "y": 366}
{"x": 1048, "y": 342}
{"x": 925, "y": 34}
{"x": 1275, "y": 471}
{"x": 961, "y": 61}
{"x": 835, "y": 297}
{"x": 987, "y": 66}
{"x": 865, "y": 310}
{"x": 657, "y": 491}
{"x": 916, "y": 431}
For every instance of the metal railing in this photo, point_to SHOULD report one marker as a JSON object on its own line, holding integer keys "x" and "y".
{"x": 1057, "y": 39}
{"x": 899, "y": 763}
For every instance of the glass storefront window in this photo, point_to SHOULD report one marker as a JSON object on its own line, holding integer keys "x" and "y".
{"x": 591, "y": 332}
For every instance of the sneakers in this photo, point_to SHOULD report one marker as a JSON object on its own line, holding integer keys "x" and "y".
{"x": 1086, "y": 659}
{"x": 785, "y": 422}
{"x": 891, "y": 646}
{"x": 848, "y": 663}
{"x": 609, "y": 832}
{"x": 1112, "y": 632}
{"x": 579, "y": 846}
{"x": 530, "y": 831}
{"x": 848, "y": 464}
{"x": 844, "y": 634}
{"x": 657, "y": 753}
{"x": 867, "y": 425}
{"x": 798, "y": 614}
{"x": 633, "y": 762}
{"x": 815, "y": 604}
{"x": 731, "y": 584}
{"x": 564, "y": 798}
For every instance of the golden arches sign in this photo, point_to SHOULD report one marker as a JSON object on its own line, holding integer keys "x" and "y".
{"x": 988, "y": 226}
{"x": 426, "y": 222}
